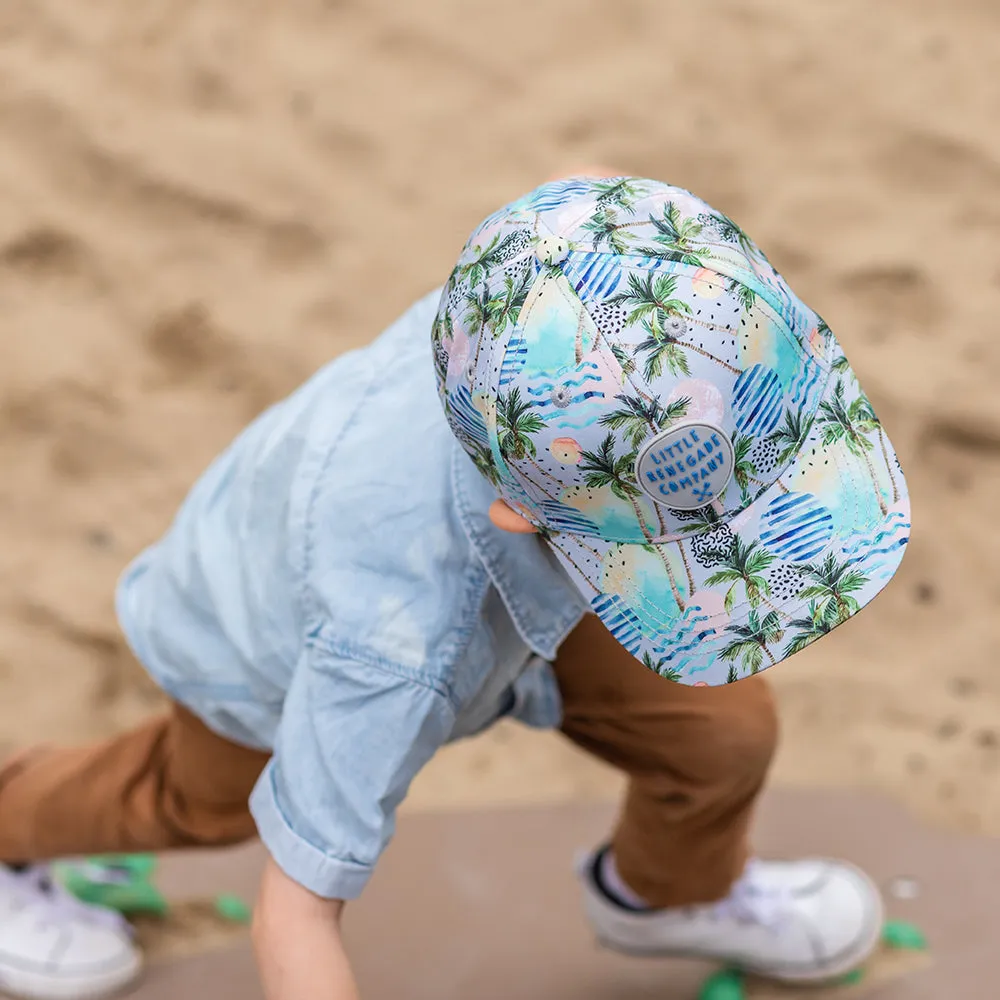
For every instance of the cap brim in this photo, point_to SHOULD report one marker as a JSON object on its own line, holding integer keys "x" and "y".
{"x": 719, "y": 604}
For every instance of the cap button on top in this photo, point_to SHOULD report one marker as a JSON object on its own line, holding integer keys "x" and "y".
{"x": 551, "y": 249}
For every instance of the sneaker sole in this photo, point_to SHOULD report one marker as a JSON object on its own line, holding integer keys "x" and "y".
{"x": 24, "y": 985}
{"x": 835, "y": 968}
{"x": 814, "y": 977}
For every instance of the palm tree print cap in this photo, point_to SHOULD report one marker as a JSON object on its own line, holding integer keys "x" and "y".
{"x": 624, "y": 365}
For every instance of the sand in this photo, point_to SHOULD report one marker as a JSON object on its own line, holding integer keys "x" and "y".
{"x": 204, "y": 201}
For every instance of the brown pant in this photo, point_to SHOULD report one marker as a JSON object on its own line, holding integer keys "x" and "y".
{"x": 696, "y": 759}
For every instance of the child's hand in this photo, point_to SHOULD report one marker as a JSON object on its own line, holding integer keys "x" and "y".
{"x": 296, "y": 938}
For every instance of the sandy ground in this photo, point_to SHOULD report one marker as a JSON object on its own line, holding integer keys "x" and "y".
{"x": 201, "y": 202}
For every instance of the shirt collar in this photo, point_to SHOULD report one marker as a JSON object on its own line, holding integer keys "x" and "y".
{"x": 542, "y": 601}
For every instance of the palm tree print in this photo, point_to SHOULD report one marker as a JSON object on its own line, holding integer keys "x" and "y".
{"x": 608, "y": 230}
{"x": 791, "y": 435}
{"x": 870, "y": 421}
{"x": 442, "y": 328}
{"x": 485, "y": 259}
{"x": 676, "y": 238}
{"x": 441, "y": 331}
{"x": 826, "y": 335}
{"x": 483, "y": 459}
{"x": 506, "y": 306}
{"x": 743, "y": 468}
{"x": 746, "y": 295}
{"x": 887, "y": 460}
{"x": 494, "y": 312}
{"x": 819, "y": 621}
{"x": 752, "y": 640}
{"x": 516, "y": 424}
{"x": 621, "y": 193}
{"x": 841, "y": 365}
{"x": 625, "y": 360}
{"x": 664, "y": 319}
{"x": 638, "y": 416}
{"x": 731, "y": 232}
{"x": 480, "y": 308}
{"x": 662, "y": 352}
{"x": 660, "y": 667}
{"x": 743, "y": 564}
{"x": 851, "y": 423}
{"x": 604, "y": 468}
{"x": 833, "y": 583}
{"x": 702, "y": 518}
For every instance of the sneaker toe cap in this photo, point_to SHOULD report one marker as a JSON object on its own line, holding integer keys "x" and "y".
{"x": 86, "y": 947}
{"x": 845, "y": 913}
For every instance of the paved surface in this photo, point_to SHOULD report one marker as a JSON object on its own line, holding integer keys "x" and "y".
{"x": 483, "y": 906}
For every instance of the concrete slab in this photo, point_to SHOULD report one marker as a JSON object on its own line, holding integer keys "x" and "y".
{"x": 485, "y": 905}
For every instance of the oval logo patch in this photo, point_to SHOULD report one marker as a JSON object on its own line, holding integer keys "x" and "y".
{"x": 686, "y": 466}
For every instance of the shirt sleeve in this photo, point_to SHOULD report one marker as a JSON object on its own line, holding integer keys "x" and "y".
{"x": 353, "y": 735}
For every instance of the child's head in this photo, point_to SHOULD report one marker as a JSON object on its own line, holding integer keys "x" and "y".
{"x": 642, "y": 388}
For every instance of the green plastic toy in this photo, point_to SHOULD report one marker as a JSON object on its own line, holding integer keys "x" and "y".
{"x": 232, "y": 908}
{"x": 853, "y": 977}
{"x": 727, "y": 985}
{"x": 124, "y": 882}
{"x": 121, "y": 882}
{"x": 900, "y": 934}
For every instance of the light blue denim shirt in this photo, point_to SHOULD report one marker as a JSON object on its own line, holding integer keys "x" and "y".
{"x": 332, "y": 588}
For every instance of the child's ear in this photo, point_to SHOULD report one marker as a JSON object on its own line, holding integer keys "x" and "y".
{"x": 509, "y": 520}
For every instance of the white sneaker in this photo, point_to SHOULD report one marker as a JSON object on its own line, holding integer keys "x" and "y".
{"x": 53, "y": 947}
{"x": 794, "y": 921}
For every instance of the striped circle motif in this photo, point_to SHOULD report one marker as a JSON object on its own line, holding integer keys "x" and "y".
{"x": 758, "y": 401}
{"x": 796, "y": 527}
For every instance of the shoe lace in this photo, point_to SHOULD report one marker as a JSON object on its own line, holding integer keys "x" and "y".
{"x": 35, "y": 887}
{"x": 751, "y": 901}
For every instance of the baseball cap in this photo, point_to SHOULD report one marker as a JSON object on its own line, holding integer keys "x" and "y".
{"x": 626, "y": 367}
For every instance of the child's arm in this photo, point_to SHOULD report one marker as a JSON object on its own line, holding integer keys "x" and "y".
{"x": 296, "y": 937}
{"x": 353, "y": 734}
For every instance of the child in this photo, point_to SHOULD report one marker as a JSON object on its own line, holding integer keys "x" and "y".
{"x": 654, "y": 474}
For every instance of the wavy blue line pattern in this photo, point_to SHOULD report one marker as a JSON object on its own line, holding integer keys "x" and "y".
{"x": 877, "y": 552}
{"x": 682, "y": 648}
{"x": 468, "y": 417}
{"x": 580, "y": 397}
{"x": 862, "y": 543}
{"x": 806, "y": 382}
{"x": 555, "y": 195}
{"x": 675, "y": 639}
{"x": 882, "y": 550}
{"x": 541, "y": 387}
